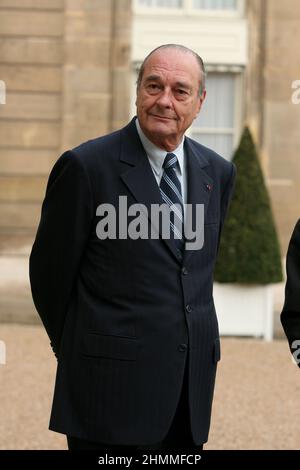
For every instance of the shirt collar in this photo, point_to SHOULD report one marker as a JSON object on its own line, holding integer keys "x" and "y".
{"x": 157, "y": 155}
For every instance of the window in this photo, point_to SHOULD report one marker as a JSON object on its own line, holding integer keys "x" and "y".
{"x": 217, "y": 125}
{"x": 206, "y": 5}
{"x": 215, "y": 4}
{"x": 161, "y": 3}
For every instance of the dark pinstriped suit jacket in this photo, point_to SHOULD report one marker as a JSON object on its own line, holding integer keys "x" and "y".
{"x": 122, "y": 315}
{"x": 290, "y": 315}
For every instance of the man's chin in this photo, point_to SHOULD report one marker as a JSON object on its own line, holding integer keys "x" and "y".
{"x": 164, "y": 127}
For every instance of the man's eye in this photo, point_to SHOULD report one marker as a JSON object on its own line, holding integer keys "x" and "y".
{"x": 181, "y": 92}
{"x": 153, "y": 86}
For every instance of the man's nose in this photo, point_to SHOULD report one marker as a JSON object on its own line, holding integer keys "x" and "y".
{"x": 165, "y": 98}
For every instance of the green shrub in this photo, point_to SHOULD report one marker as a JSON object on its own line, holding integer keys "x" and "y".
{"x": 249, "y": 250}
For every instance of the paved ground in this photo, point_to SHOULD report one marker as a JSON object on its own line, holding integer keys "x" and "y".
{"x": 256, "y": 406}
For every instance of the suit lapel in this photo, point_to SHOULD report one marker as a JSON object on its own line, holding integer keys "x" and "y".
{"x": 140, "y": 179}
{"x": 200, "y": 185}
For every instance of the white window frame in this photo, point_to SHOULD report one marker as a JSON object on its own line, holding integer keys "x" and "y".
{"x": 239, "y": 110}
{"x": 189, "y": 10}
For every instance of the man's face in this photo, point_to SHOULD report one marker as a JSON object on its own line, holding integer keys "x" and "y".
{"x": 168, "y": 97}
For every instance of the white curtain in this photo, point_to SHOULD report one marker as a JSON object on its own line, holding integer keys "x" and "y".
{"x": 220, "y": 143}
{"x": 214, "y": 126}
{"x": 217, "y": 110}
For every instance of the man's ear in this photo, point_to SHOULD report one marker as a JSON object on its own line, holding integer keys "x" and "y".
{"x": 201, "y": 99}
{"x": 136, "y": 95}
{"x": 203, "y": 96}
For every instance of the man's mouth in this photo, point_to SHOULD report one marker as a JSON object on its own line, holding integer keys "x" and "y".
{"x": 164, "y": 118}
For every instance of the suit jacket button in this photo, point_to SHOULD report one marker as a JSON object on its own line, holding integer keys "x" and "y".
{"x": 188, "y": 308}
{"x": 184, "y": 271}
{"x": 182, "y": 347}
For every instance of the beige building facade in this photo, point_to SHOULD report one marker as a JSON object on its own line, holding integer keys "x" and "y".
{"x": 69, "y": 68}
{"x": 65, "y": 65}
{"x": 273, "y": 67}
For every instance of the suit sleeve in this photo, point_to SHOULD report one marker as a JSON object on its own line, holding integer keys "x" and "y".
{"x": 226, "y": 198}
{"x": 60, "y": 240}
{"x": 290, "y": 315}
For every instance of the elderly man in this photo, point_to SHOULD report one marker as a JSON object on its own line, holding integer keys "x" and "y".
{"x": 131, "y": 319}
{"x": 290, "y": 315}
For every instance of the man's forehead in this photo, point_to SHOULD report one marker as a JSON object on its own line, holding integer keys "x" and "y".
{"x": 179, "y": 63}
{"x": 171, "y": 57}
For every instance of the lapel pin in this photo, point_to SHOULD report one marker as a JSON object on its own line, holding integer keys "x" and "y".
{"x": 209, "y": 187}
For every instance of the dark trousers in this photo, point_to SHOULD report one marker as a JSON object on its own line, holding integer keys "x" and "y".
{"x": 179, "y": 435}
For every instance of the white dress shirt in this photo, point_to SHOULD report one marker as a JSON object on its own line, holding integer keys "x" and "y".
{"x": 157, "y": 156}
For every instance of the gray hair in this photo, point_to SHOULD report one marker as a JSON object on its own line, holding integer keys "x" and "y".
{"x": 181, "y": 48}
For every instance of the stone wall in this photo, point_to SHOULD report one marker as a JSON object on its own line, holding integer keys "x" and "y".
{"x": 275, "y": 121}
{"x": 31, "y": 58}
{"x": 96, "y": 68}
{"x": 66, "y": 67}
{"x": 281, "y": 116}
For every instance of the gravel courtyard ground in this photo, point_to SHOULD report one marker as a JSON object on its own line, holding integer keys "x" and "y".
{"x": 256, "y": 405}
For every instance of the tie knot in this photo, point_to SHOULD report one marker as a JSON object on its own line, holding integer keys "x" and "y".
{"x": 170, "y": 161}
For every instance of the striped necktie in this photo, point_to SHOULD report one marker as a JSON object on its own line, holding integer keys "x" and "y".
{"x": 170, "y": 189}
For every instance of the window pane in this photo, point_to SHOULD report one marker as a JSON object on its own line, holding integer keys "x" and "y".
{"x": 214, "y": 126}
{"x": 218, "y": 107}
{"x": 220, "y": 143}
{"x": 215, "y": 4}
{"x": 161, "y": 3}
